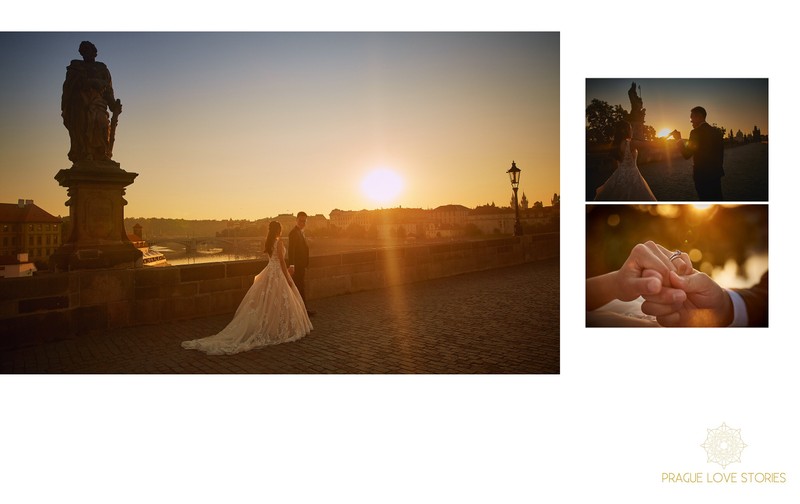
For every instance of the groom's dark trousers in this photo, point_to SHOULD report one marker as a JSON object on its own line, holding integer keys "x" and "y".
{"x": 298, "y": 255}
{"x": 705, "y": 146}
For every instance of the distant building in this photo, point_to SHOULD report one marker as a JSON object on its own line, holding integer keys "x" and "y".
{"x": 388, "y": 222}
{"x": 313, "y": 222}
{"x": 493, "y": 219}
{"x": 19, "y": 266}
{"x": 450, "y": 215}
{"x": 342, "y": 219}
{"x": 26, "y": 228}
{"x": 149, "y": 257}
{"x": 447, "y": 221}
{"x": 540, "y": 215}
{"x": 499, "y": 220}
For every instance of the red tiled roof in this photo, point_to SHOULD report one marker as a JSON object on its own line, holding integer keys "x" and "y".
{"x": 11, "y": 212}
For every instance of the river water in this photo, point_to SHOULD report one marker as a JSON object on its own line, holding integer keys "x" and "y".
{"x": 178, "y": 258}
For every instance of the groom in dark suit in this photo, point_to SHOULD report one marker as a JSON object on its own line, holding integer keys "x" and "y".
{"x": 710, "y": 305}
{"x": 297, "y": 257}
{"x": 705, "y": 146}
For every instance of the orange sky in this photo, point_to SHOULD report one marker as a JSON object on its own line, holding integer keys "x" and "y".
{"x": 250, "y": 125}
{"x": 737, "y": 104}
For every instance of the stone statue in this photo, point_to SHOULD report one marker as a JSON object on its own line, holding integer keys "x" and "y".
{"x": 636, "y": 116}
{"x": 85, "y": 101}
{"x": 95, "y": 184}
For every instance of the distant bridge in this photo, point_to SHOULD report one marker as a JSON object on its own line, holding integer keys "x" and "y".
{"x": 192, "y": 244}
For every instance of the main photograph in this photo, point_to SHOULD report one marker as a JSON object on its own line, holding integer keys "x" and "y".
{"x": 280, "y": 203}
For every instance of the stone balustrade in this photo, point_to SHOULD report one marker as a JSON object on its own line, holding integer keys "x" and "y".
{"x": 58, "y": 305}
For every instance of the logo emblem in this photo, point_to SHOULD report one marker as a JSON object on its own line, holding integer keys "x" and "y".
{"x": 724, "y": 445}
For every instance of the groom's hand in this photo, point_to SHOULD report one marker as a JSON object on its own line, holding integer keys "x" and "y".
{"x": 676, "y": 134}
{"x": 668, "y": 296}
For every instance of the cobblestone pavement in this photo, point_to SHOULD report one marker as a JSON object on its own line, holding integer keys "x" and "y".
{"x": 498, "y": 321}
{"x": 746, "y": 176}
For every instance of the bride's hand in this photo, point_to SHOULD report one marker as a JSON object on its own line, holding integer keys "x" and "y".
{"x": 646, "y": 272}
{"x": 649, "y": 256}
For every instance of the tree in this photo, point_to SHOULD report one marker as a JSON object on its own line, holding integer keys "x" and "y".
{"x": 372, "y": 232}
{"x": 471, "y": 229}
{"x": 601, "y": 118}
{"x": 355, "y": 231}
{"x": 650, "y": 133}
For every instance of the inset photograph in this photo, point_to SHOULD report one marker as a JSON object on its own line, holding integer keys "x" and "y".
{"x": 677, "y": 265}
{"x": 677, "y": 140}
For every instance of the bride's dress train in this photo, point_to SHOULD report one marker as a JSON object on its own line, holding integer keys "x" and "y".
{"x": 626, "y": 183}
{"x": 271, "y": 312}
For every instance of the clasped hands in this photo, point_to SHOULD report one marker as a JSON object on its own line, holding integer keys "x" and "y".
{"x": 673, "y": 291}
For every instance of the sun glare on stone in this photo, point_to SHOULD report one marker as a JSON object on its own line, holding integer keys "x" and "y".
{"x": 382, "y": 185}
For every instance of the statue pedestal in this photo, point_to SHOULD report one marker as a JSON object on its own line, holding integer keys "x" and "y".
{"x": 638, "y": 130}
{"x": 97, "y": 237}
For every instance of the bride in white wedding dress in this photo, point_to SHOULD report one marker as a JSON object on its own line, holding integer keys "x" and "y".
{"x": 626, "y": 183}
{"x": 271, "y": 312}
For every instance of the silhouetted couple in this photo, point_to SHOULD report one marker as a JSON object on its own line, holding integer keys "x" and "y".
{"x": 273, "y": 311}
{"x": 704, "y": 146}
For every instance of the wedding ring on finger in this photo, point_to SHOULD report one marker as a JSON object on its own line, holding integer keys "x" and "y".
{"x": 675, "y": 255}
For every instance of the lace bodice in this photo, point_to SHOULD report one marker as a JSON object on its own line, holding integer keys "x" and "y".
{"x": 629, "y": 156}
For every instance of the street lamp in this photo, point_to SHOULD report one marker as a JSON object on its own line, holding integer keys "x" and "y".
{"x": 513, "y": 174}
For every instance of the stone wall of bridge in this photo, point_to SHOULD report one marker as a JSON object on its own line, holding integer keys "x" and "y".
{"x": 60, "y": 305}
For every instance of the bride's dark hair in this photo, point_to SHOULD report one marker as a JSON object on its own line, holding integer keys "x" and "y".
{"x": 272, "y": 234}
{"x": 622, "y": 131}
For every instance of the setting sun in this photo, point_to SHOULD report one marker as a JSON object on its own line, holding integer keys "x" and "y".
{"x": 382, "y": 185}
{"x": 664, "y": 133}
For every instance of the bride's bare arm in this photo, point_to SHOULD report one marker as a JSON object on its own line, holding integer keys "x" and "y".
{"x": 644, "y": 273}
{"x": 281, "y": 254}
